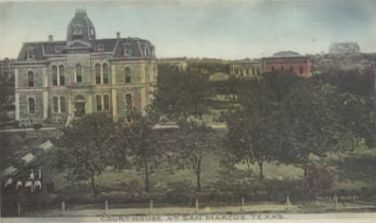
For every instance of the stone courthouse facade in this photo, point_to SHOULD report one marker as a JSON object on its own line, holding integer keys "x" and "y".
{"x": 56, "y": 81}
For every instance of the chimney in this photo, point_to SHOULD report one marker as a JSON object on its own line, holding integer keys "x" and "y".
{"x": 118, "y": 35}
{"x": 50, "y": 38}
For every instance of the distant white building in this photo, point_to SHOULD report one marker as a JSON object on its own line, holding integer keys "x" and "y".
{"x": 344, "y": 48}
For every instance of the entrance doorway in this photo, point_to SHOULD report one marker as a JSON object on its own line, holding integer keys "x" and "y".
{"x": 79, "y": 106}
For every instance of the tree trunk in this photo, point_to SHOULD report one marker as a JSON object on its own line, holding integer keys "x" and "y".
{"x": 146, "y": 182}
{"x": 198, "y": 176}
{"x": 305, "y": 172}
{"x": 261, "y": 168}
{"x": 92, "y": 178}
{"x": 305, "y": 181}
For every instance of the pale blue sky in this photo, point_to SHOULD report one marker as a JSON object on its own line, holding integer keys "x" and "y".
{"x": 207, "y": 28}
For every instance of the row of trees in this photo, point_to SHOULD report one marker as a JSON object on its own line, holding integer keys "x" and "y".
{"x": 280, "y": 118}
{"x": 94, "y": 142}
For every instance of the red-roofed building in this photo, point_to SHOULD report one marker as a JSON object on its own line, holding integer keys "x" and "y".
{"x": 288, "y": 61}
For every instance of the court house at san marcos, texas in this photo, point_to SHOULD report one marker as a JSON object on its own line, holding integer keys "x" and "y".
{"x": 56, "y": 81}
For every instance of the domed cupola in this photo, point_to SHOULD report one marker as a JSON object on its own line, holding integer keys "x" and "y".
{"x": 80, "y": 27}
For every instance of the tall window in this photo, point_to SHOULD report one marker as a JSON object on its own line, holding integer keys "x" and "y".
{"x": 63, "y": 107}
{"x": 105, "y": 73}
{"x": 55, "y": 101}
{"x": 128, "y": 100}
{"x": 128, "y": 77}
{"x": 31, "y": 102}
{"x": 291, "y": 68}
{"x": 30, "y": 78}
{"x": 282, "y": 68}
{"x": 272, "y": 68}
{"x": 99, "y": 102}
{"x": 106, "y": 102}
{"x": 62, "y": 74}
{"x": 97, "y": 73}
{"x": 78, "y": 73}
{"x": 54, "y": 75}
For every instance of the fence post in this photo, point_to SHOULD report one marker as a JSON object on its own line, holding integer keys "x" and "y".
{"x": 288, "y": 203}
{"x": 335, "y": 200}
{"x": 62, "y": 208}
{"x": 19, "y": 209}
{"x": 151, "y": 206}
{"x": 106, "y": 206}
{"x": 197, "y": 204}
{"x": 243, "y": 201}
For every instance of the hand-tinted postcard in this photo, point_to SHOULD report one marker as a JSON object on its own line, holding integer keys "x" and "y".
{"x": 188, "y": 111}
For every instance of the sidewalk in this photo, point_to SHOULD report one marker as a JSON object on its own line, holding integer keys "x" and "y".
{"x": 256, "y": 208}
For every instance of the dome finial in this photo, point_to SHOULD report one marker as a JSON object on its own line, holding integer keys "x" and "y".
{"x": 81, "y": 11}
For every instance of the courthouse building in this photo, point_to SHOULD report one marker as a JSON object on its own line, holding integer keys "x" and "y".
{"x": 7, "y": 89}
{"x": 56, "y": 81}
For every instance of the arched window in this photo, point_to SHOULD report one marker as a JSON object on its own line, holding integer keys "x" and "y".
{"x": 62, "y": 74}
{"x": 78, "y": 73}
{"x": 97, "y": 73}
{"x": 54, "y": 75}
{"x": 31, "y": 103}
{"x": 105, "y": 73}
{"x": 128, "y": 77}
{"x": 30, "y": 78}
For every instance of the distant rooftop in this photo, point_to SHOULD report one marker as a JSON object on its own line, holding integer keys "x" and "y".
{"x": 286, "y": 54}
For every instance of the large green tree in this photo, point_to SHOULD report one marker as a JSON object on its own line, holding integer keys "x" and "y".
{"x": 136, "y": 144}
{"x": 309, "y": 123}
{"x": 194, "y": 141}
{"x": 253, "y": 128}
{"x": 84, "y": 150}
{"x": 355, "y": 103}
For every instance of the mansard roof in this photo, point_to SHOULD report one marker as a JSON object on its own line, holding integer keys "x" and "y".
{"x": 81, "y": 39}
{"x": 134, "y": 47}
